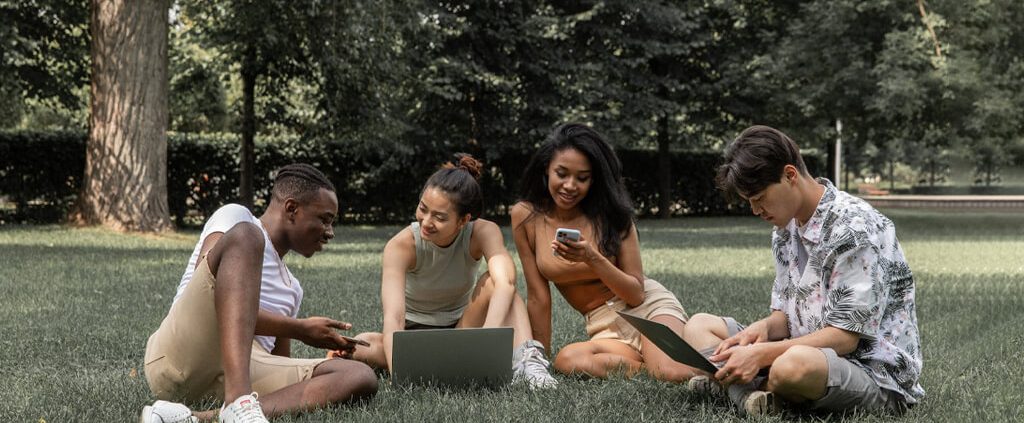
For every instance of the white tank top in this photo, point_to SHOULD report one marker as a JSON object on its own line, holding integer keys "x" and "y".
{"x": 280, "y": 291}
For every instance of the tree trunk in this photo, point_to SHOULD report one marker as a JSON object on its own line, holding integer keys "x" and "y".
{"x": 247, "y": 151}
{"x": 892, "y": 176}
{"x": 664, "y": 170}
{"x": 830, "y": 162}
{"x": 846, "y": 179}
{"x": 931, "y": 173}
{"x": 125, "y": 182}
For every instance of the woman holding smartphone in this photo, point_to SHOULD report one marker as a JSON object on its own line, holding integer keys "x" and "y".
{"x": 430, "y": 280}
{"x": 574, "y": 181}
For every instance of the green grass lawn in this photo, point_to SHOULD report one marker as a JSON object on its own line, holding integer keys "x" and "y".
{"x": 76, "y": 307}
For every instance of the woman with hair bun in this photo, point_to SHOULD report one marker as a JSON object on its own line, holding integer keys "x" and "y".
{"x": 574, "y": 181}
{"x": 430, "y": 279}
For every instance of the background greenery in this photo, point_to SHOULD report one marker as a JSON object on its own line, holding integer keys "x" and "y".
{"x": 929, "y": 93}
{"x": 43, "y": 174}
{"x": 76, "y": 307}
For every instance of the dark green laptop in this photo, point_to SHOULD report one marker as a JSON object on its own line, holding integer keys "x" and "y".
{"x": 452, "y": 357}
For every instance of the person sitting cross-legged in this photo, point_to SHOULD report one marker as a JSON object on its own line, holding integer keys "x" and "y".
{"x": 229, "y": 330}
{"x": 842, "y": 333}
{"x": 429, "y": 276}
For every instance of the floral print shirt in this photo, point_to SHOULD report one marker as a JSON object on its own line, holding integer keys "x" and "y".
{"x": 844, "y": 268}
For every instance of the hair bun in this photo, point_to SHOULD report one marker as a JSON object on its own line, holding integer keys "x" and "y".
{"x": 466, "y": 162}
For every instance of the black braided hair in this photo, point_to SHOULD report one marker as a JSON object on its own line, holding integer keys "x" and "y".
{"x": 299, "y": 181}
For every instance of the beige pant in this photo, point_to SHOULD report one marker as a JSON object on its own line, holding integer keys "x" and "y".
{"x": 604, "y": 323}
{"x": 183, "y": 360}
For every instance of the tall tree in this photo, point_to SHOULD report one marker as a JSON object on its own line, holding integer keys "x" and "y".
{"x": 198, "y": 94}
{"x": 986, "y": 67}
{"x": 268, "y": 42}
{"x": 125, "y": 185}
{"x": 652, "y": 76}
{"x": 820, "y": 70}
{"x": 496, "y": 82}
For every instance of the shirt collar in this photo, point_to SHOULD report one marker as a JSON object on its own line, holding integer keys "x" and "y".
{"x": 812, "y": 230}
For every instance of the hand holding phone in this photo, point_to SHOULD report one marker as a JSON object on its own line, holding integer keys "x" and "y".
{"x": 347, "y": 353}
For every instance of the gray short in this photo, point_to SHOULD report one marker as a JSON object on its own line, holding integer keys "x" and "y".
{"x": 849, "y": 386}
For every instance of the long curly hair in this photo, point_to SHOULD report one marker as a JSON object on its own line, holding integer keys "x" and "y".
{"x": 607, "y": 204}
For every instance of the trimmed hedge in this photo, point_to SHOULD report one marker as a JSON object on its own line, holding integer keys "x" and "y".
{"x": 40, "y": 172}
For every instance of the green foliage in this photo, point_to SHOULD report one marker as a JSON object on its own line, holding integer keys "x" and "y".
{"x": 44, "y": 52}
{"x": 198, "y": 96}
{"x": 406, "y": 83}
{"x": 45, "y": 48}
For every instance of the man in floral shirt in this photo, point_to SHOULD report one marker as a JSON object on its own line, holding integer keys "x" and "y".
{"x": 842, "y": 332}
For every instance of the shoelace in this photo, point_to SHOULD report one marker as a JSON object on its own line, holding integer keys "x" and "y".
{"x": 251, "y": 411}
{"x": 535, "y": 363}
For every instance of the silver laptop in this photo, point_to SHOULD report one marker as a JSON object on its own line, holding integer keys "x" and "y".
{"x": 452, "y": 357}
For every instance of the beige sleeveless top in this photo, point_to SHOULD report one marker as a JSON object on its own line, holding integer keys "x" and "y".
{"x": 438, "y": 288}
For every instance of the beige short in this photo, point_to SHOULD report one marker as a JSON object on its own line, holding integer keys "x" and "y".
{"x": 183, "y": 361}
{"x": 604, "y": 323}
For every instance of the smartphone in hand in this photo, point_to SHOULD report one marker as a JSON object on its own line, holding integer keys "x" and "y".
{"x": 565, "y": 234}
{"x": 356, "y": 341}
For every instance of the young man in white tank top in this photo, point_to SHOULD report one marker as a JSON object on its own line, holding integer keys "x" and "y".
{"x": 228, "y": 332}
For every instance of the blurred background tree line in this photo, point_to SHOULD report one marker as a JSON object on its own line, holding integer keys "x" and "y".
{"x": 396, "y": 86}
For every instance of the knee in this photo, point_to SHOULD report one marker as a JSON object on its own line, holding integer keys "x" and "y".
{"x": 364, "y": 381}
{"x": 352, "y": 381}
{"x": 702, "y": 323}
{"x": 374, "y": 338}
{"x": 793, "y": 367}
{"x": 569, "y": 359}
{"x": 372, "y": 355}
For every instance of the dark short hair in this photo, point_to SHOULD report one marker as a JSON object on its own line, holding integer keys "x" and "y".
{"x": 755, "y": 160}
{"x": 299, "y": 181}
{"x": 458, "y": 179}
{"x": 607, "y": 204}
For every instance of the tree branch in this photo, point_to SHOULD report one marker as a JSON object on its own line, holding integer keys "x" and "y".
{"x": 931, "y": 30}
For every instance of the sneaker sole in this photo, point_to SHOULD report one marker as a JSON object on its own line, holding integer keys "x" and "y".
{"x": 763, "y": 405}
{"x": 146, "y": 411}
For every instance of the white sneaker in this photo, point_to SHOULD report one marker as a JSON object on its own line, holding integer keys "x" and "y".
{"x": 245, "y": 409}
{"x": 530, "y": 365}
{"x": 167, "y": 412}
